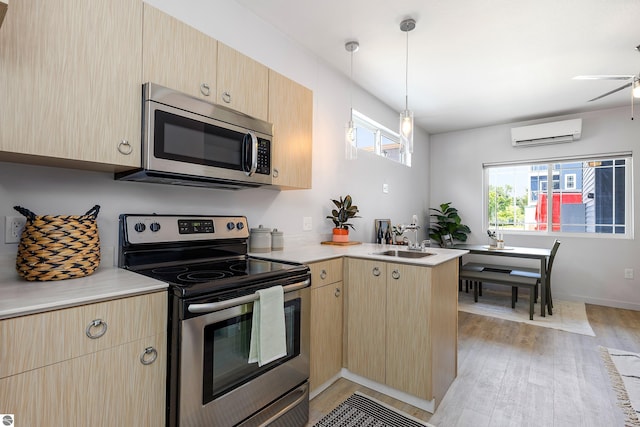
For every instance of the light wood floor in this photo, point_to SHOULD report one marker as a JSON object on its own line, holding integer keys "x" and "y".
{"x": 514, "y": 374}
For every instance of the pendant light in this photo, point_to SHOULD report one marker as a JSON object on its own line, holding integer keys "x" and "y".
{"x": 350, "y": 143}
{"x": 406, "y": 117}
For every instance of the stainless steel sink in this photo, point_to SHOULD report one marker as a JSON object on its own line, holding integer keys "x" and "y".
{"x": 404, "y": 254}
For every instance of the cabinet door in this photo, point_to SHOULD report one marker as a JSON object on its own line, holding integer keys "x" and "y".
{"x": 291, "y": 112}
{"x": 70, "y": 79}
{"x": 326, "y": 333}
{"x": 408, "y": 361}
{"x": 366, "y": 311}
{"x": 127, "y": 392}
{"x": 178, "y": 56}
{"x": 110, "y": 387}
{"x": 242, "y": 83}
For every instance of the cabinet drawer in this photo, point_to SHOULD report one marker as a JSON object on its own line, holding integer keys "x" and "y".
{"x": 127, "y": 320}
{"x": 29, "y": 342}
{"x": 325, "y": 272}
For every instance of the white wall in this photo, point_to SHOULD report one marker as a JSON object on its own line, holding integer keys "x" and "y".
{"x": 63, "y": 191}
{"x": 589, "y": 268}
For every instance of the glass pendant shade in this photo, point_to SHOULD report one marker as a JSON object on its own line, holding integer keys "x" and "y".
{"x": 350, "y": 144}
{"x": 636, "y": 89}
{"x": 406, "y": 130}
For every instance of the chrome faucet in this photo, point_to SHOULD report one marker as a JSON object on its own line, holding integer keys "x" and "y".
{"x": 415, "y": 246}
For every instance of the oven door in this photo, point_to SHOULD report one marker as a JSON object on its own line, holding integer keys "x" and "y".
{"x": 217, "y": 384}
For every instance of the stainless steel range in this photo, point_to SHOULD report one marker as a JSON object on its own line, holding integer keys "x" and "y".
{"x": 213, "y": 284}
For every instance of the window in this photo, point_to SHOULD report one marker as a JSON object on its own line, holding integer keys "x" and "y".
{"x": 375, "y": 138}
{"x": 586, "y": 195}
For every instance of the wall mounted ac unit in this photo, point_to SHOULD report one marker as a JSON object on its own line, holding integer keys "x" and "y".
{"x": 546, "y": 133}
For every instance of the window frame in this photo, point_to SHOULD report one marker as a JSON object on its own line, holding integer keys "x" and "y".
{"x": 550, "y": 163}
{"x": 379, "y": 131}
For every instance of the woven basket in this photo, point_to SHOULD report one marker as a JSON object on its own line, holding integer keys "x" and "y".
{"x": 58, "y": 247}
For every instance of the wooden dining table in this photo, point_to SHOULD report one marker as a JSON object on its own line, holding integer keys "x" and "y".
{"x": 516, "y": 252}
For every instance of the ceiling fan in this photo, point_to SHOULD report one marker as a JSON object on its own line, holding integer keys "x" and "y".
{"x": 633, "y": 81}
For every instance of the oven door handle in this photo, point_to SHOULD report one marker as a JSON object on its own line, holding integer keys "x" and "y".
{"x": 217, "y": 306}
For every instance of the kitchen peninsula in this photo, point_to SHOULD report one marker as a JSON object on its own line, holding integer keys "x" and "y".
{"x": 386, "y": 322}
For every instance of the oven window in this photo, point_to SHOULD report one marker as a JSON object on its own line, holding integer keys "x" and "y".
{"x": 226, "y": 351}
{"x": 186, "y": 140}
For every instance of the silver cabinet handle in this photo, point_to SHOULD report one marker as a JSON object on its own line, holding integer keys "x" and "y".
{"x": 205, "y": 89}
{"x": 376, "y": 271}
{"x": 97, "y": 323}
{"x": 337, "y": 292}
{"x": 148, "y": 356}
{"x": 395, "y": 274}
{"x": 323, "y": 274}
{"x": 226, "y": 97}
{"x": 275, "y": 173}
{"x": 124, "y": 147}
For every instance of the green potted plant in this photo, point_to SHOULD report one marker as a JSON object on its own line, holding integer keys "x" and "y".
{"x": 447, "y": 226}
{"x": 398, "y": 233}
{"x": 345, "y": 210}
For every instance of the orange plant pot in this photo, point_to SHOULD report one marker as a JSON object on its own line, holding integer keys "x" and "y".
{"x": 340, "y": 235}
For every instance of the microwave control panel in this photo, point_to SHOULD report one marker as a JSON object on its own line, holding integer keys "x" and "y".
{"x": 264, "y": 157}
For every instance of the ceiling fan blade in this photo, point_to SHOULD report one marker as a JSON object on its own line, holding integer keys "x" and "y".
{"x": 610, "y": 92}
{"x": 604, "y": 77}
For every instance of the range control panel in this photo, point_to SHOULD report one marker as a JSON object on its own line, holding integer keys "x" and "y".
{"x": 182, "y": 228}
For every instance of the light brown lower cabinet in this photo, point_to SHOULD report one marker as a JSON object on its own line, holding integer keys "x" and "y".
{"x": 123, "y": 384}
{"x": 402, "y": 325}
{"x": 326, "y": 321}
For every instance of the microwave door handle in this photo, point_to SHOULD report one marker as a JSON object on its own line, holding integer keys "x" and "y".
{"x": 250, "y": 138}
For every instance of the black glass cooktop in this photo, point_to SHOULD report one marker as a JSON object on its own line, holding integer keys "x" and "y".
{"x": 211, "y": 275}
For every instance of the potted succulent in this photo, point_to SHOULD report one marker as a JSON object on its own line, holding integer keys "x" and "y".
{"x": 447, "y": 226}
{"x": 344, "y": 211}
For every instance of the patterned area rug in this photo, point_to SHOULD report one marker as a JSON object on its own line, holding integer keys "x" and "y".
{"x": 361, "y": 410}
{"x": 567, "y": 315}
{"x": 624, "y": 370}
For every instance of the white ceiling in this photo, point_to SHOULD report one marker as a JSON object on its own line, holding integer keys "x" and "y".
{"x": 472, "y": 63}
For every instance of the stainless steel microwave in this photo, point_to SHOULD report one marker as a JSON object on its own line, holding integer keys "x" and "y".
{"x": 188, "y": 141}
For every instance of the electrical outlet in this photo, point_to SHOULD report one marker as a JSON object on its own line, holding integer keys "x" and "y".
{"x": 306, "y": 223}
{"x": 385, "y": 188}
{"x": 628, "y": 273}
{"x": 13, "y": 226}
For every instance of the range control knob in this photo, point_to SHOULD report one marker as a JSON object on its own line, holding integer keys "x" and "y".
{"x": 154, "y": 227}
{"x": 240, "y": 225}
{"x": 230, "y": 225}
{"x": 139, "y": 227}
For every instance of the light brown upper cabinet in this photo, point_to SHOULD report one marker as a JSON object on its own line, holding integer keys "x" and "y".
{"x": 242, "y": 83}
{"x": 178, "y": 56}
{"x": 291, "y": 112}
{"x": 70, "y": 75}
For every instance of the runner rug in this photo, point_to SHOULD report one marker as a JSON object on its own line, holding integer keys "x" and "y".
{"x": 361, "y": 410}
{"x": 567, "y": 315}
{"x": 624, "y": 371}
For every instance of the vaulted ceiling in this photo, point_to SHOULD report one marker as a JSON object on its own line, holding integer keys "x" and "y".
{"x": 472, "y": 63}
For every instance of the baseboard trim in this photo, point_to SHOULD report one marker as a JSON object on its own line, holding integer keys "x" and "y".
{"x": 426, "y": 405}
{"x": 324, "y": 386}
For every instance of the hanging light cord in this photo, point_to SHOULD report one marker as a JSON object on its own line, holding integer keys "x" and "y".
{"x": 406, "y": 77}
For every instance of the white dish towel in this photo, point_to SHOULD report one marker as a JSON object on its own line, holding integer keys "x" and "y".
{"x": 268, "y": 331}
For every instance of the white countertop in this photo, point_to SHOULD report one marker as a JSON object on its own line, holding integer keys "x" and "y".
{"x": 19, "y": 297}
{"x": 318, "y": 252}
